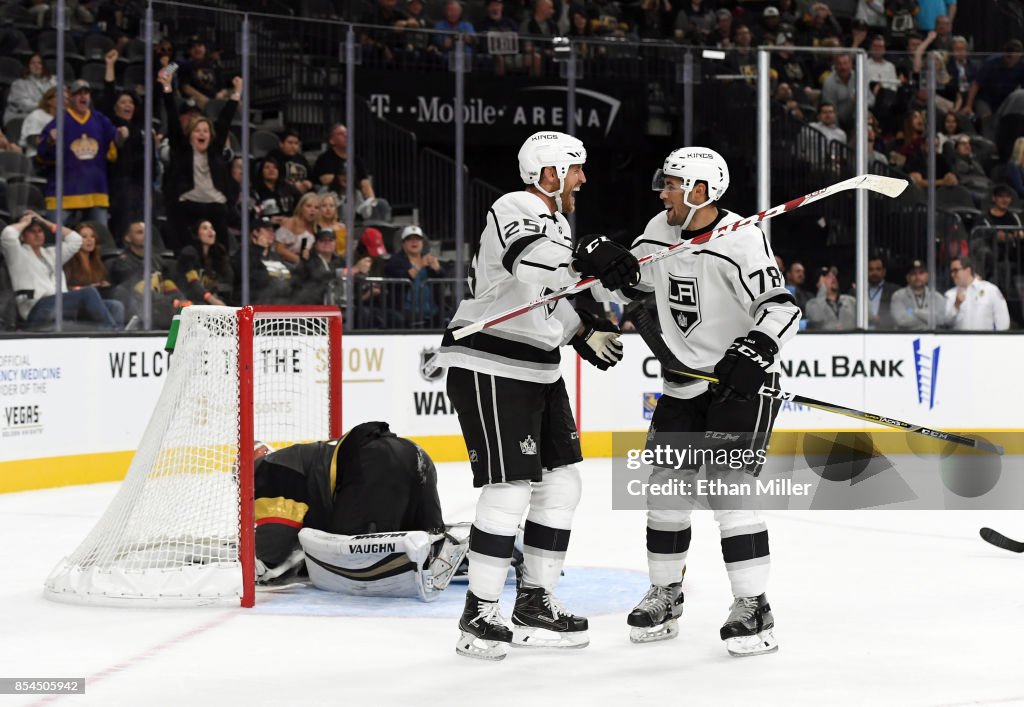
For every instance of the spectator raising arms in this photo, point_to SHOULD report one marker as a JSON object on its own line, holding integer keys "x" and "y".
{"x": 90, "y": 141}
{"x": 196, "y": 182}
{"x": 204, "y": 270}
{"x": 127, "y": 174}
{"x": 26, "y": 93}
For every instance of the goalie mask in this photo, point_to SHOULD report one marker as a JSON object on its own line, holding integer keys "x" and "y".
{"x": 550, "y": 149}
{"x": 692, "y": 165}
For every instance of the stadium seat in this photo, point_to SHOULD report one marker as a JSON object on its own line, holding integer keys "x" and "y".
{"x": 262, "y": 142}
{"x": 16, "y": 167}
{"x": 134, "y": 75}
{"x": 108, "y": 246}
{"x": 95, "y": 46}
{"x": 95, "y": 73}
{"x": 69, "y": 69}
{"x": 21, "y": 196}
{"x": 10, "y": 70}
{"x": 47, "y": 43}
{"x": 956, "y": 199}
{"x": 13, "y": 129}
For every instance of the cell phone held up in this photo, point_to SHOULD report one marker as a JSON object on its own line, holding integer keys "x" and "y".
{"x": 172, "y": 68}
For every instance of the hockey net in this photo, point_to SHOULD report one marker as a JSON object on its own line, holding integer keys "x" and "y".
{"x": 180, "y": 530}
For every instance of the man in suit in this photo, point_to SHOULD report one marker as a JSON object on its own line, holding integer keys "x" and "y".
{"x": 880, "y": 292}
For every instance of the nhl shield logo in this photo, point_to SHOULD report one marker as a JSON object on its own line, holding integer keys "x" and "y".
{"x": 428, "y": 369}
{"x": 684, "y": 302}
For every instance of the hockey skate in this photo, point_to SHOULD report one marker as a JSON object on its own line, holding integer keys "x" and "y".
{"x": 540, "y": 620}
{"x": 655, "y": 617}
{"x": 748, "y": 630}
{"x": 484, "y": 633}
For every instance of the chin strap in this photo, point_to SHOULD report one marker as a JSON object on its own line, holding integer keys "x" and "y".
{"x": 693, "y": 208}
{"x": 556, "y": 195}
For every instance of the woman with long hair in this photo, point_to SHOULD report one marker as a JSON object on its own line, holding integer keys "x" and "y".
{"x": 274, "y": 196}
{"x": 327, "y": 217}
{"x": 295, "y": 237}
{"x": 86, "y": 269}
{"x": 909, "y": 139}
{"x": 204, "y": 270}
{"x": 196, "y": 182}
{"x": 26, "y": 92}
{"x": 127, "y": 173}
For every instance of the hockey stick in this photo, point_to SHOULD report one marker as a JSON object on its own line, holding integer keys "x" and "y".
{"x": 649, "y": 333}
{"x": 1000, "y": 540}
{"x": 887, "y": 186}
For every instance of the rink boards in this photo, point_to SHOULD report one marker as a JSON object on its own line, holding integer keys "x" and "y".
{"x": 74, "y": 409}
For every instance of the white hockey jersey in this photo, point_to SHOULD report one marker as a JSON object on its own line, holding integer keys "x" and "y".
{"x": 524, "y": 251}
{"x": 712, "y": 294}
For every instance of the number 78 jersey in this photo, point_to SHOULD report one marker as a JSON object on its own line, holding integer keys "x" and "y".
{"x": 716, "y": 292}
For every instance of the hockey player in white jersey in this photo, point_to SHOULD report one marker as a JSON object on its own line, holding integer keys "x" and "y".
{"x": 511, "y": 400}
{"x": 723, "y": 307}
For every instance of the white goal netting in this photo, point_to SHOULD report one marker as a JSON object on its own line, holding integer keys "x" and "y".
{"x": 171, "y": 536}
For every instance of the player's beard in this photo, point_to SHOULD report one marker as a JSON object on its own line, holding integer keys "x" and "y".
{"x": 568, "y": 200}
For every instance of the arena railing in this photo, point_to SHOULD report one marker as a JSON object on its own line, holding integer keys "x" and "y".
{"x": 313, "y": 71}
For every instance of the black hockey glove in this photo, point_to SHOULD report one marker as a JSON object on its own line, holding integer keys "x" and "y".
{"x": 613, "y": 265}
{"x": 598, "y": 344}
{"x": 744, "y": 368}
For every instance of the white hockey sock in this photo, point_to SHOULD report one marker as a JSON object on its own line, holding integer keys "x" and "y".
{"x": 546, "y": 535}
{"x": 745, "y": 551}
{"x": 668, "y": 543}
{"x": 492, "y": 538}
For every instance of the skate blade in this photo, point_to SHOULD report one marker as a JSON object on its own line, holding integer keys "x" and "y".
{"x": 531, "y": 637}
{"x": 473, "y": 647}
{"x": 650, "y": 634}
{"x": 745, "y": 646}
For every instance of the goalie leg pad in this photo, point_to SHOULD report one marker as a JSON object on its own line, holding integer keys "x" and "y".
{"x": 454, "y": 548}
{"x": 380, "y": 564}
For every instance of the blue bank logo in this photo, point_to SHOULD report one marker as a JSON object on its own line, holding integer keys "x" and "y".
{"x": 926, "y": 373}
{"x": 650, "y": 402}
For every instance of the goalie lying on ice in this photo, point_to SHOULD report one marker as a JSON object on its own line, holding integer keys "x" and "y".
{"x": 362, "y": 511}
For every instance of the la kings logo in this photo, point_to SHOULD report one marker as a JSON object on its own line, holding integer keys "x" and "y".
{"x": 549, "y": 308}
{"x": 684, "y": 301}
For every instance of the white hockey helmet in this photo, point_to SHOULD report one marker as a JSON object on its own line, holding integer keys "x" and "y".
{"x": 692, "y": 165}
{"x": 550, "y": 149}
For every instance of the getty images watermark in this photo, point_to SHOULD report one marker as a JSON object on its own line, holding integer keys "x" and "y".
{"x": 812, "y": 471}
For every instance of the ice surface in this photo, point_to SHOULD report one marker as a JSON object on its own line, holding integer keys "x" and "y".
{"x": 872, "y": 608}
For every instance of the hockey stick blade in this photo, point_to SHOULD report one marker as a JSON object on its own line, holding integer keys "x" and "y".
{"x": 886, "y": 186}
{"x": 652, "y": 337}
{"x": 999, "y": 540}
